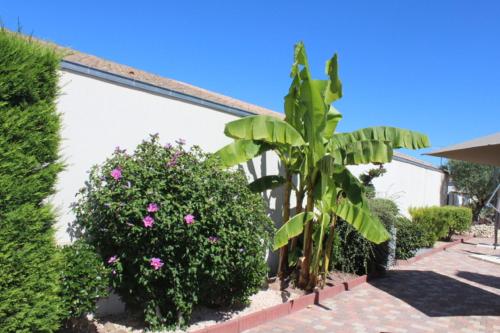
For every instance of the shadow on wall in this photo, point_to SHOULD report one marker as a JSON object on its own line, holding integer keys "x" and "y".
{"x": 438, "y": 295}
{"x": 273, "y": 200}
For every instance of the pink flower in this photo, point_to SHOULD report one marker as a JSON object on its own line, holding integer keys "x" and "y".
{"x": 112, "y": 260}
{"x": 171, "y": 163}
{"x": 156, "y": 263}
{"x": 148, "y": 221}
{"x": 152, "y": 208}
{"x": 168, "y": 146}
{"x": 116, "y": 173}
{"x": 213, "y": 239}
{"x": 189, "y": 219}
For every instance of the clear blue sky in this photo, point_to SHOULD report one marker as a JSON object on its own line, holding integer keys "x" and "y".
{"x": 427, "y": 65}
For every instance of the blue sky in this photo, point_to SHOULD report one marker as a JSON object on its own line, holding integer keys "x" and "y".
{"x": 427, "y": 65}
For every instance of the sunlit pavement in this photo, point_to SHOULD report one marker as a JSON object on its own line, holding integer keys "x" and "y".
{"x": 447, "y": 292}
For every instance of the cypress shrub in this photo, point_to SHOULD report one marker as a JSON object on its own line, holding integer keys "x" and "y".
{"x": 29, "y": 144}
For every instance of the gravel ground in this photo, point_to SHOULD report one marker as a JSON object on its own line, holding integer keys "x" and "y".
{"x": 202, "y": 316}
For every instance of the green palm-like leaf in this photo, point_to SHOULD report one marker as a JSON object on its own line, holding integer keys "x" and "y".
{"x": 290, "y": 229}
{"x": 398, "y": 137}
{"x": 362, "y": 220}
{"x": 264, "y": 128}
{"x": 349, "y": 184}
{"x": 332, "y": 119}
{"x": 360, "y": 152}
{"x": 334, "y": 87}
{"x": 266, "y": 183}
{"x": 318, "y": 239}
{"x": 240, "y": 151}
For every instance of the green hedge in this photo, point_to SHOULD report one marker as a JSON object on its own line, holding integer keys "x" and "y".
{"x": 441, "y": 222}
{"x": 29, "y": 145}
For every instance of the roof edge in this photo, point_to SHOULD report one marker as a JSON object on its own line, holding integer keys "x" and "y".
{"x": 150, "y": 88}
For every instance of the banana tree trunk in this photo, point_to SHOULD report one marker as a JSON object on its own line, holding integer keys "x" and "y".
{"x": 329, "y": 248}
{"x": 307, "y": 253}
{"x": 283, "y": 258}
{"x": 300, "y": 198}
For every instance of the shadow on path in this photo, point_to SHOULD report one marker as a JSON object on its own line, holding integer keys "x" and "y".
{"x": 485, "y": 280}
{"x": 438, "y": 295}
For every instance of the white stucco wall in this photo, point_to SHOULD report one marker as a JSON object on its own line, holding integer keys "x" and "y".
{"x": 408, "y": 185}
{"x": 100, "y": 115}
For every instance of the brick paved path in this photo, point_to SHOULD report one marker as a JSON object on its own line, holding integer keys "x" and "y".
{"x": 446, "y": 292}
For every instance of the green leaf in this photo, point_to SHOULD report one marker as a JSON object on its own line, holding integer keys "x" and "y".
{"x": 264, "y": 128}
{"x": 334, "y": 87}
{"x": 362, "y": 220}
{"x": 240, "y": 151}
{"x": 398, "y": 137}
{"x": 332, "y": 119}
{"x": 290, "y": 229}
{"x": 318, "y": 240}
{"x": 266, "y": 183}
{"x": 360, "y": 152}
{"x": 349, "y": 184}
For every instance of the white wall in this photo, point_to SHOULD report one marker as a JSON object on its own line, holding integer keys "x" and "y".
{"x": 99, "y": 115}
{"x": 408, "y": 185}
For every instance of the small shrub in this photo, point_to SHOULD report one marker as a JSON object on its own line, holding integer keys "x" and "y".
{"x": 352, "y": 253}
{"x": 441, "y": 222}
{"x": 409, "y": 238}
{"x": 460, "y": 220}
{"x": 387, "y": 212}
{"x": 84, "y": 279}
{"x": 177, "y": 230}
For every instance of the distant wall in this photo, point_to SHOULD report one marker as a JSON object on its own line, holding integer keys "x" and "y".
{"x": 408, "y": 184}
{"x": 99, "y": 115}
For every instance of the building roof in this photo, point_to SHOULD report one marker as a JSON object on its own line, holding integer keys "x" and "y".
{"x": 152, "y": 79}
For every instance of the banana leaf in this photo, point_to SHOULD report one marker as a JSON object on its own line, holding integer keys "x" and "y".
{"x": 290, "y": 229}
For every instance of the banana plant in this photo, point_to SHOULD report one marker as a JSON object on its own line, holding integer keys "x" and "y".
{"x": 309, "y": 147}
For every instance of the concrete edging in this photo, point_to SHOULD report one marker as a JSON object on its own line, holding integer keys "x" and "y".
{"x": 257, "y": 318}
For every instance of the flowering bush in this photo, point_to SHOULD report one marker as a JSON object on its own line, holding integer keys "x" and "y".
{"x": 175, "y": 230}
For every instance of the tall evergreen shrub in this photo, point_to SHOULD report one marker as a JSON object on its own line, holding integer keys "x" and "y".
{"x": 29, "y": 142}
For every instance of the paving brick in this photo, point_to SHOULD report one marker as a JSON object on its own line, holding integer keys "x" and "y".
{"x": 447, "y": 291}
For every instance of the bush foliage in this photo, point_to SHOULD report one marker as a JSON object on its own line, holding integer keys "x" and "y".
{"x": 355, "y": 254}
{"x": 84, "y": 279}
{"x": 29, "y": 143}
{"x": 409, "y": 238}
{"x": 176, "y": 229}
{"x": 441, "y": 222}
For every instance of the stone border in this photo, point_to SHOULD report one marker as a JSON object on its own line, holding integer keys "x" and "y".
{"x": 431, "y": 252}
{"x": 257, "y": 318}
